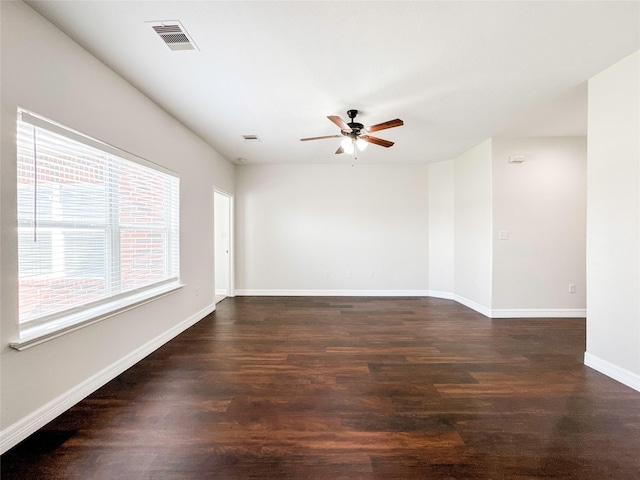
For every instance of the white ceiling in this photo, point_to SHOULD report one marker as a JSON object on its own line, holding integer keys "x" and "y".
{"x": 457, "y": 73}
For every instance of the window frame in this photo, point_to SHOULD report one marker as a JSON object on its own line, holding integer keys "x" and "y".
{"x": 47, "y": 326}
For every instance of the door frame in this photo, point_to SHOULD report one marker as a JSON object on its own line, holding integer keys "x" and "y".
{"x": 231, "y": 242}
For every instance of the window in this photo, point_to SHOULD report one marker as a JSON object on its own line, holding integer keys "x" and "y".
{"x": 97, "y": 226}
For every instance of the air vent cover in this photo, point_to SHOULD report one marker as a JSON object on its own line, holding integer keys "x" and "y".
{"x": 251, "y": 138}
{"x": 174, "y": 35}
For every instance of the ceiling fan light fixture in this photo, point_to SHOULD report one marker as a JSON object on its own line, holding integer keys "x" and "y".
{"x": 361, "y": 143}
{"x": 347, "y": 144}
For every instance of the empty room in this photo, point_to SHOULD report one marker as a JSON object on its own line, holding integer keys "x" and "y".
{"x": 318, "y": 239}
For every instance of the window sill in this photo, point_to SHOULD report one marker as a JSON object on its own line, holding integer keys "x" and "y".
{"x": 37, "y": 334}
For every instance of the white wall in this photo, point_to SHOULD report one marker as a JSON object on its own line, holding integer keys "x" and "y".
{"x": 441, "y": 229}
{"x": 472, "y": 227}
{"x": 297, "y": 223}
{"x": 613, "y": 222}
{"x": 44, "y": 71}
{"x": 541, "y": 204}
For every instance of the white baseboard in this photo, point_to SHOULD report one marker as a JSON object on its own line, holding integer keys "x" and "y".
{"x": 331, "y": 293}
{"x": 363, "y": 293}
{"x": 487, "y": 312}
{"x": 622, "y": 375}
{"x": 473, "y": 305}
{"x": 443, "y": 295}
{"x": 24, "y": 427}
{"x": 539, "y": 313}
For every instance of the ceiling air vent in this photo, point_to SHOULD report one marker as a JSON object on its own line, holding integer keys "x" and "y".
{"x": 174, "y": 35}
{"x": 251, "y": 138}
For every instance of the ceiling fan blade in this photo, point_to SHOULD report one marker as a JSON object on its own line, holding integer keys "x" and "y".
{"x": 320, "y": 138}
{"x": 339, "y": 150}
{"x": 377, "y": 141}
{"x": 340, "y": 123}
{"x": 381, "y": 126}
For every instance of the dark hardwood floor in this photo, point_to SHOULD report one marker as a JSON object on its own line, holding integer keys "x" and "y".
{"x": 333, "y": 388}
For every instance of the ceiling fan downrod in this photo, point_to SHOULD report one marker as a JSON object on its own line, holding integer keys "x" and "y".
{"x": 355, "y": 126}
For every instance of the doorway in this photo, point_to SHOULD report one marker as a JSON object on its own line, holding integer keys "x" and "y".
{"x": 222, "y": 244}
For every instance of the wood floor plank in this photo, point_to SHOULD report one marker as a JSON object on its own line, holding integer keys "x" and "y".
{"x": 333, "y": 388}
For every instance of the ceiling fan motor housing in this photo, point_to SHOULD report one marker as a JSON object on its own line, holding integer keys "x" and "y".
{"x": 356, "y": 128}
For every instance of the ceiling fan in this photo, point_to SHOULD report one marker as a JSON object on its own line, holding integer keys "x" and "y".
{"x": 355, "y": 134}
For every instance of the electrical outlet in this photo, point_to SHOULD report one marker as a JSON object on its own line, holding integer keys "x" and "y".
{"x": 327, "y": 274}
{"x": 349, "y": 274}
{"x": 372, "y": 274}
{"x": 572, "y": 288}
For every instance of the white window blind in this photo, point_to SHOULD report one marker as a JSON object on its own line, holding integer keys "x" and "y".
{"x": 95, "y": 224}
